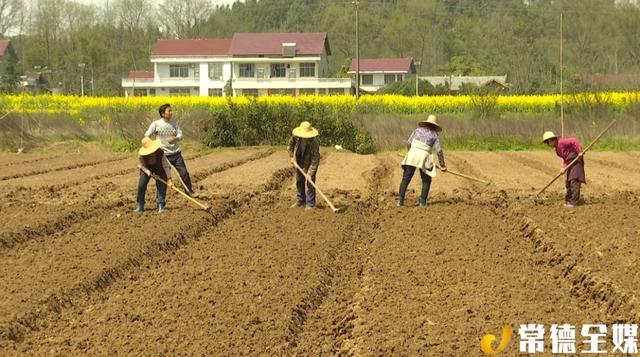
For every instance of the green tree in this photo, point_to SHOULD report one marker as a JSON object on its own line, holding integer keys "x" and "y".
{"x": 9, "y": 80}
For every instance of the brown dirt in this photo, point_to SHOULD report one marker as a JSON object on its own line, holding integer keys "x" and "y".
{"x": 82, "y": 274}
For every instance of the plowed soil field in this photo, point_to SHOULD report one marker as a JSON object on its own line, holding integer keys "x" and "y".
{"x": 83, "y": 274}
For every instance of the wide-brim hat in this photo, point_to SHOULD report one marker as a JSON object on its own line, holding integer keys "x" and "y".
{"x": 548, "y": 135}
{"x": 149, "y": 146}
{"x": 431, "y": 120}
{"x": 305, "y": 130}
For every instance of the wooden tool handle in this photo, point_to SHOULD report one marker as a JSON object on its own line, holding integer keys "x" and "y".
{"x": 156, "y": 177}
{"x": 465, "y": 176}
{"x": 314, "y": 185}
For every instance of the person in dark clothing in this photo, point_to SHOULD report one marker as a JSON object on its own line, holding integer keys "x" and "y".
{"x": 304, "y": 149}
{"x": 152, "y": 160}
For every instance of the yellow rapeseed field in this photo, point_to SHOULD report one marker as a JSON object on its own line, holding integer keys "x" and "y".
{"x": 90, "y": 106}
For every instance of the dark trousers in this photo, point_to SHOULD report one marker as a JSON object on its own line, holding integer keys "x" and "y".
{"x": 573, "y": 191}
{"x": 142, "y": 189}
{"x": 406, "y": 179}
{"x": 178, "y": 162}
{"x": 308, "y": 198}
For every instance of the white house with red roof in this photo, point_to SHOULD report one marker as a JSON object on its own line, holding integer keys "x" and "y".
{"x": 376, "y": 73}
{"x": 253, "y": 63}
{"x": 284, "y": 63}
{"x": 184, "y": 67}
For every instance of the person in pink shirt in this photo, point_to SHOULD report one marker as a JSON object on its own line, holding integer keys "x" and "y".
{"x": 569, "y": 149}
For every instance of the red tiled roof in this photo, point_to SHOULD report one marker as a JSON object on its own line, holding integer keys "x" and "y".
{"x": 141, "y": 74}
{"x": 254, "y": 44}
{"x": 206, "y": 47}
{"x": 383, "y": 65}
{"x": 4, "y": 44}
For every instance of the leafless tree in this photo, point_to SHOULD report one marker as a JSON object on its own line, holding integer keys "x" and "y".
{"x": 184, "y": 19}
{"x": 11, "y": 16}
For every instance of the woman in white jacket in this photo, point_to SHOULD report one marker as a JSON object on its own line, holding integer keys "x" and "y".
{"x": 420, "y": 145}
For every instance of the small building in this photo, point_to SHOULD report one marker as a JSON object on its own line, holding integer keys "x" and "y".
{"x": 376, "y": 73}
{"x": 455, "y": 83}
{"x": 184, "y": 67}
{"x": 34, "y": 83}
{"x": 283, "y": 63}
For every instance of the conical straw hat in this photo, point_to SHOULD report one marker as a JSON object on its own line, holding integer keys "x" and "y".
{"x": 149, "y": 146}
{"x": 305, "y": 130}
{"x": 431, "y": 120}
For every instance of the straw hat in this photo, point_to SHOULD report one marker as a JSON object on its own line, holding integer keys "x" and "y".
{"x": 548, "y": 135}
{"x": 305, "y": 130}
{"x": 149, "y": 146}
{"x": 431, "y": 120}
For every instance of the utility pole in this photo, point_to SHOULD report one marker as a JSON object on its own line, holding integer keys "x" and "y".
{"x": 357, "y": 4}
{"x": 561, "y": 88}
{"x": 416, "y": 63}
{"x": 81, "y": 65}
{"x": 92, "y": 87}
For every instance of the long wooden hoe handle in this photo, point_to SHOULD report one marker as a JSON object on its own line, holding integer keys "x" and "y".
{"x": 314, "y": 186}
{"x": 203, "y": 206}
{"x": 577, "y": 158}
{"x": 460, "y": 174}
{"x": 465, "y": 176}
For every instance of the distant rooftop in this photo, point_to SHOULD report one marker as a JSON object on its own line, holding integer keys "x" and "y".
{"x": 457, "y": 81}
{"x": 202, "y": 47}
{"x": 395, "y": 65}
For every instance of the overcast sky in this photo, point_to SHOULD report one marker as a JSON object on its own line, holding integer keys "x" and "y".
{"x": 102, "y": 2}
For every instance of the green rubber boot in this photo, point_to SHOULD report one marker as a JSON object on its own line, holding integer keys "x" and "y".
{"x": 422, "y": 202}
{"x": 139, "y": 208}
{"x": 161, "y": 207}
{"x": 399, "y": 201}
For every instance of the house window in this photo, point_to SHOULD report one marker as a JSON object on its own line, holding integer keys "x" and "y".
{"x": 247, "y": 70}
{"x": 334, "y": 91}
{"x": 389, "y": 78}
{"x": 215, "y": 71}
{"x": 215, "y": 92}
{"x": 283, "y": 91}
{"x": 140, "y": 92}
{"x": 367, "y": 79}
{"x": 174, "y": 92}
{"x": 307, "y": 69}
{"x": 307, "y": 91}
{"x": 178, "y": 71}
{"x": 399, "y": 77}
{"x": 152, "y": 91}
{"x": 278, "y": 70}
{"x": 250, "y": 92}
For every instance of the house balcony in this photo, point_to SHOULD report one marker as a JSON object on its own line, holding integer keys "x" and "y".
{"x": 291, "y": 82}
{"x": 163, "y": 82}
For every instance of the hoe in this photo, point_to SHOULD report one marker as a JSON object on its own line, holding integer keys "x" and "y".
{"x": 333, "y": 208}
{"x": 199, "y": 204}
